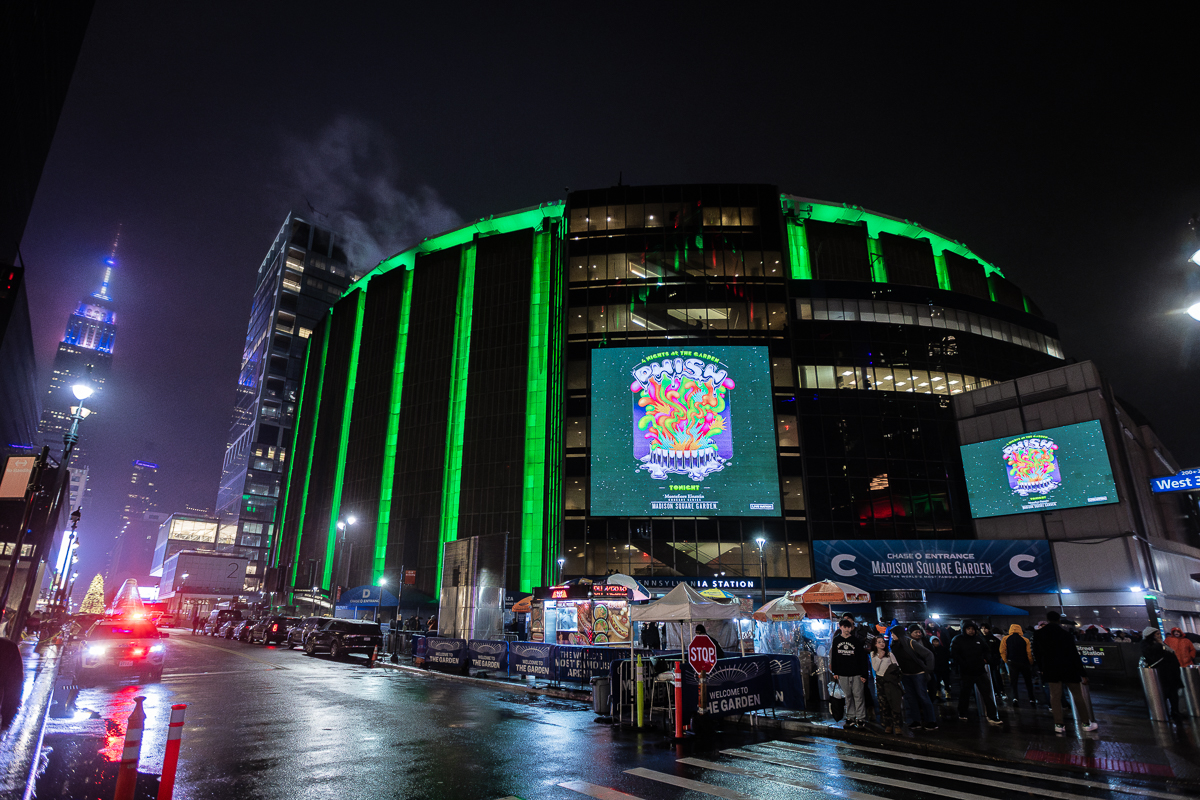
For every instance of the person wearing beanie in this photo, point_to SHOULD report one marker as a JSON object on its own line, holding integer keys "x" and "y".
{"x": 1056, "y": 657}
{"x": 1164, "y": 662}
{"x": 970, "y": 654}
{"x": 1017, "y": 655}
{"x": 1184, "y": 650}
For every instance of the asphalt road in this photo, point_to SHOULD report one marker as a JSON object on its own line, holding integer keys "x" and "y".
{"x": 264, "y": 722}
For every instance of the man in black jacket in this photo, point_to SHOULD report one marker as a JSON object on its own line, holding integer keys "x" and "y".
{"x": 970, "y": 655}
{"x": 850, "y": 665}
{"x": 1056, "y": 656}
{"x": 916, "y": 669}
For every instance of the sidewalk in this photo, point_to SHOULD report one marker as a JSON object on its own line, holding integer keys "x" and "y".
{"x": 1127, "y": 744}
{"x": 21, "y": 743}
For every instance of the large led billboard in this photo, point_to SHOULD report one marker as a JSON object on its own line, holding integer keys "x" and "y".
{"x": 1065, "y": 467}
{"x": 683, "y": 433}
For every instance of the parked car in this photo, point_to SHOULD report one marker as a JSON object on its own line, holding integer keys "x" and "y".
{"x": 241, "y": 631}
{"x": 272, "y": 629}
{"x": 117, "y": 647}
{"x": 217, "y": 619}
{"x": 340, "y": 637}
{"x": 226, "y": 630}
{"x": 295, "y": 636}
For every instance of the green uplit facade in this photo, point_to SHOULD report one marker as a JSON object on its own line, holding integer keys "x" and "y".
{"x": 445, "y": 395}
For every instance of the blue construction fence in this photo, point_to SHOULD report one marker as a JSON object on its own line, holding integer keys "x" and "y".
{"x": 552, "y": 662}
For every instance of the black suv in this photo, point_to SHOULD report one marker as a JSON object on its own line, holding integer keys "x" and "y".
{"x": 344, "y": 636}
{"x": 272, "y": 629}
{"x": 296, "y": 634}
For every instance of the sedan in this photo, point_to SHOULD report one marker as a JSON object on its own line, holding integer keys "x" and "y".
{"x": 121, "y": 648}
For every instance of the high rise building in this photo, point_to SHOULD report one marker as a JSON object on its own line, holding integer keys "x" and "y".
{"x": 133, "y": 546}
{"x": 305, "y": 271}
{"x": 84, "y": 354}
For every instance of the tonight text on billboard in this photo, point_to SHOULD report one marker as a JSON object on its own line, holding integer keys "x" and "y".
{"x": 1055, "y": 468}
{"x": 683, "y": 433}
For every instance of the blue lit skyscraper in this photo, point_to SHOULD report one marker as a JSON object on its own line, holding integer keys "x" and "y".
{"x": 304, "y": 273}
{"x": 85, "y": 353}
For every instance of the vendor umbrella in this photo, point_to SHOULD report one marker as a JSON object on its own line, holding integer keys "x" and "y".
{"x": 639, "y": 592}
{"x": 830, "y": 593}
{"x": 718, "y": 594}
{"x": 524, "y": 605}
{"x": 781, "y": 609}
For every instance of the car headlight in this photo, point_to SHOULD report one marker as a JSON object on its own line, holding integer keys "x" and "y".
{"x": 158, "y": 648}
{"x": 96, "y": 650}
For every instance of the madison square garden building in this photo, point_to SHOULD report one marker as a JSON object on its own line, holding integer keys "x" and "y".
{"x": 647, "y": 380}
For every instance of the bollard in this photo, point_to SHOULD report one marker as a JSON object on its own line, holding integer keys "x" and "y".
{"x": 678, "y": 701}
{"x": 127, "y": 774}
{"x": 1154, "y": 694}
{"x": 640, "y": 690}
{"x": 166, "y": 787}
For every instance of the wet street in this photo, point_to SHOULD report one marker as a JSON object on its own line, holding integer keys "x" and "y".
{"x": 264, "y": 722}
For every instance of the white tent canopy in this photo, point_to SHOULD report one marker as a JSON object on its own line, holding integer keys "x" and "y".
{"x": 685, "y": 604}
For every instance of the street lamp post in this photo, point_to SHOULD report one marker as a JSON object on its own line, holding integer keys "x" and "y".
{"x": 182, "y": 592}
{"x": 60, "y": 575}
{"x": 762, "y": 568}
{"x": 343, "y": 528}
{"x": 382, "y": 583}
{"x": 313, "y": 598}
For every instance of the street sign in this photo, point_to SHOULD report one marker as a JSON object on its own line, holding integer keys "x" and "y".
{"x": 1182, "y": 481}
{"x": 702, "y": 654}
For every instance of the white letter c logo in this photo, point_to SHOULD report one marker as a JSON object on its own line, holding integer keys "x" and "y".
{"x": 837, "y": 563}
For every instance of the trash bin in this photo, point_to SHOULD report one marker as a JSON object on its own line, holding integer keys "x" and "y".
{"x": 601, "y": 691}
{"x": 1154, "y": 694}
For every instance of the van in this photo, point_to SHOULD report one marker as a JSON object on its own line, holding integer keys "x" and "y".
{"x": 218, "y": 617}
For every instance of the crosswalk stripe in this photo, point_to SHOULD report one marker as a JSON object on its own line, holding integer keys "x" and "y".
{"x": 688, "y": 783}
{"x": 1105, "y": 785}
{"x": 832, "y": 790}
{"x": 858, "y": 776}
{"x": 599, "y": 792}
{"x": 972, "y": 779}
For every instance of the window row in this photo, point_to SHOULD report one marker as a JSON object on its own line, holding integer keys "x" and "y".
{"x": 657, "y": 265}
{"x": 689, "y": 317}
{"x": 659, "y": 215}
{"x": 929, "y": 316}
{"x": 888, "y": 379}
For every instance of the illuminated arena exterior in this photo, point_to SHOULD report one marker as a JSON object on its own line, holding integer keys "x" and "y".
{"x": 449, "y": 393}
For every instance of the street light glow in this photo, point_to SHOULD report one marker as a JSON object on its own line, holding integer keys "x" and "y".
{"x": 761, "y": 542}
{"x": 1195, "y": 259}
{"x": 351, "y": 520}
{"x": 1194, "y": 311}
{"x": 82, "y": 391}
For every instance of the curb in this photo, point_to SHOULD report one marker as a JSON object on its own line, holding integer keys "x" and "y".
{"x": 21, "y": 744}
{"x": 548, "y": 691}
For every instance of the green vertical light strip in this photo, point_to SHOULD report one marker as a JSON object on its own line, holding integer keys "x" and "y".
{"x": 312, "y": 442}
{"x": 275, "y": 547}
{"x": 455, "y": 422}
{"x": 875, "y": 253}
{"x": 343, "y": 439}
{"x": 533, "y": 498}
{"x": 393, "y": 429}
{"x": 943, "y": 272}
{"x": 801, "y": 267}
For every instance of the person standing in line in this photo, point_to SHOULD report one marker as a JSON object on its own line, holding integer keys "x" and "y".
{"x": 941, "y": 669}
{"x": 970, "y": 653}
{"x": 1184, "y": 650}
{"x": 1059, "y": 662}
{"x": 916, "y": 666}
{"x": 849, "y": 664}
{"x": 1165, "y": 663}
{"x": 1017, "y": 655}
{"x": 433, "y": 625}
{"x": 887, "y": 686}
{"x": 995, "y": 662}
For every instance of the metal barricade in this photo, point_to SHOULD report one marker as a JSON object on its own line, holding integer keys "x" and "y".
{"x": 1191, "y": 690}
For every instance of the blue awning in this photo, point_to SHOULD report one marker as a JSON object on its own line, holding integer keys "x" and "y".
{"x": 970, "y": 605}
{"x": 367, "y": 597}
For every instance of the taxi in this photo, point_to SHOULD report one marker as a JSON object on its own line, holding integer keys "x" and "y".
{"x": 121, "y": 647}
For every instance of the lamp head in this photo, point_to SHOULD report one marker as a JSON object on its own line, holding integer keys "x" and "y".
{"x": 761, "y": 540}
{"x": 82, "y": 391}
{"x": 383, "y": 581}
{"x": 1194, "y": 311}
{"x": 351, "y": 520}
{"x": 341, "y": 526}
{"x": 75, "y": 515}
{"x": 185, "y": 576}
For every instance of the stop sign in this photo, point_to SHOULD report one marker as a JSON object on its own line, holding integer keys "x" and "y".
{"x": 702, "y": 653}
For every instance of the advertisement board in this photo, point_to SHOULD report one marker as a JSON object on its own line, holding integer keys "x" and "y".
{"x": 1016, "y": 566}
{"x": 683, "y": 433}
{"x": 1055, "y": 468}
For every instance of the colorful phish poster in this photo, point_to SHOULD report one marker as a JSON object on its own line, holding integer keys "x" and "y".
{"x": 1056, "y": 468}
{"x": 683, "y": 433}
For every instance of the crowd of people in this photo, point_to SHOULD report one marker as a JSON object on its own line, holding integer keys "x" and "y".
{"x": 900, "y": 673}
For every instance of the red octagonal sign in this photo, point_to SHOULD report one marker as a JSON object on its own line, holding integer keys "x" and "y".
{"x": 702, "y": 653}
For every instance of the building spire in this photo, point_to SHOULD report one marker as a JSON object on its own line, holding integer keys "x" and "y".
{"x": 109, "y": 262}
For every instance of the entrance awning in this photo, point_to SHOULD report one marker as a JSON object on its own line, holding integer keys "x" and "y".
{"x": 970, "y": 605}
{"x": 367, "y": 597}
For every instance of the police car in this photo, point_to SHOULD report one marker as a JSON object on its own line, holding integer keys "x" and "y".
{"x": 121, "y": 647}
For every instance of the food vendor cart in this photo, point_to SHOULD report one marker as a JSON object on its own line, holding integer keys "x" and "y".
{"x": 581, "y": 614}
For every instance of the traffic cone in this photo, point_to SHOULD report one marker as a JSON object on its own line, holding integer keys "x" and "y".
{"x": 127, "y": 774}
{"x": 166, "y": 786}
{"x": 374, "y": 655}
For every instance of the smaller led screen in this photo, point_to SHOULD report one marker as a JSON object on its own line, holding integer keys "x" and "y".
{"x": 1056, "y": 468}
{"x": 683, "y": 433}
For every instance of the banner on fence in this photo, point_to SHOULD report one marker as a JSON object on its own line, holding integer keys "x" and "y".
{"x": 488, "y": 654}
{"x": 580, "y": 664}
{"x": 529, "y": 658}
{"x": 736, "y": 686}
{"x": 445, "y": 653}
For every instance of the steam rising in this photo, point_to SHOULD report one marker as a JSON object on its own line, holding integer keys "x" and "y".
{"x": 349, "y": 177}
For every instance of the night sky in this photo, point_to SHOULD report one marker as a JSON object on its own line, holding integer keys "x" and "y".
{"x": 1061, "y": 150}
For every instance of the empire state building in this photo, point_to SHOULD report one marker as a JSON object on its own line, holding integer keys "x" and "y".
{"x": 84, "y": 354}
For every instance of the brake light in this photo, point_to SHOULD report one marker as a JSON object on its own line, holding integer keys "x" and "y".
{"x": 138, "y": 651}
{"x": 274, "y": 628}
